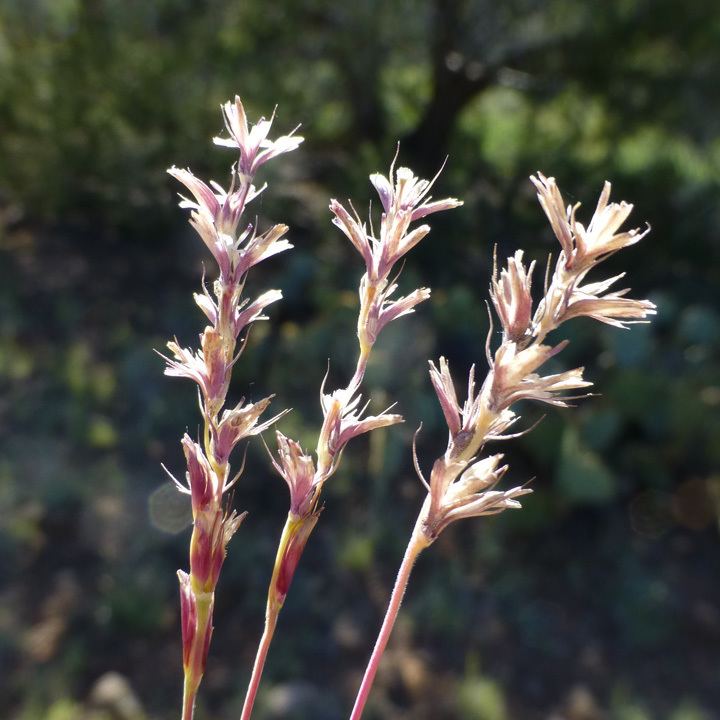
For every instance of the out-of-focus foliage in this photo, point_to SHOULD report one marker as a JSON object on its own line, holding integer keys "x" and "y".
{"x": 599, "y": 599}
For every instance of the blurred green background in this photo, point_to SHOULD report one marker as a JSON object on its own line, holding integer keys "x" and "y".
{"x": 601, "y": 599}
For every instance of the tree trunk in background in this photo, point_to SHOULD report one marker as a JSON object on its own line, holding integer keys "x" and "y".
{"x": 455, "y": 83}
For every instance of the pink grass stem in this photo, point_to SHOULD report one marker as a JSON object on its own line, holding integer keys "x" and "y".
{"x": 415, "y": 546}
{"x": 359, "y": 374}
{"x": 259, "y": 665}
{"x": 273, "y": 609}
{"x": 188, "y": 708}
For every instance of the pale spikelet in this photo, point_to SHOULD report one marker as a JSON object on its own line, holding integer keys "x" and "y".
{"x": 513, "y": 377}
{"x": 583, "y": 246}
{"x": 462, "y": 421}
{"x": 510, "y": 294}
{"x": 246, "y": 314}
{"x": 445, "y": 391}
{"x": 465, "y": 488}
{"x": 253, "y": 144}
{"x": 404, "y": 201}
{"x": 298, "y": 471}
{"x": 353, "y": 230}
{"x": 613, "y": 308}
{"x": 208, "y": 367}
{"x": 241, "y": 422}
{"x": 409, "y": 193}
{"x": 552, "y": 203}
{"x": 253, "y": 248}
{"x": 583, "y": 250}
{"x": 344, "y": 421}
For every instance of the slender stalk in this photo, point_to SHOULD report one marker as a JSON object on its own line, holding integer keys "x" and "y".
{"x": 189, "y": 695}
{"x": 275, "y": 600}
{"x": 257, "y": 671}
{"x": 418, "y": 542}
{"x": 359, "y": 374}
{"x": 292, "y": 525}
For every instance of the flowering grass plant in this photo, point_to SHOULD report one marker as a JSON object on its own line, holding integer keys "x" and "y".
{"x": 464, "y": 482}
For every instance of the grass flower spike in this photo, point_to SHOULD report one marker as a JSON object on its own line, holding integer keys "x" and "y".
{"x": 404, "y": 199}
{"x": 463, "y": 483}
{"x": 216, "y": 215}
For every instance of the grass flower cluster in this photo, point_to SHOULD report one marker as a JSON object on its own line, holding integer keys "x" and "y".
{"x": 465, "y": 481}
